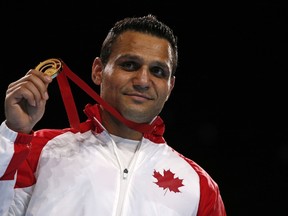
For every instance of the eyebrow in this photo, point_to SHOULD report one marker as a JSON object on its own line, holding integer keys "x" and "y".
{"x": 136, "y": 57}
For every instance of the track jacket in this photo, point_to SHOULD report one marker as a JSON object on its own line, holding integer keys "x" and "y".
{"x": 53, "y": 172}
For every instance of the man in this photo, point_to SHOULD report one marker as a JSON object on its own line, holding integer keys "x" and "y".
{"x": 107, "y": 166}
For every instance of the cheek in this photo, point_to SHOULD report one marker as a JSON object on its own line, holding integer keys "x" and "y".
{"x": 110, "y": 85}
{"x": 163, "y": 93}
{"x": 168, "y": 94}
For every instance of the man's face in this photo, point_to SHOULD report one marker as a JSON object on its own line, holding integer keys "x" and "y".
{"x": 137, "y": 78}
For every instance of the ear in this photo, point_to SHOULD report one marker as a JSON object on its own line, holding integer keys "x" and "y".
{"x": 97, "y": 69}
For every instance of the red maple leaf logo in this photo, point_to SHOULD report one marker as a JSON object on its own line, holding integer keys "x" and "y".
{"x": 167, "y": 181}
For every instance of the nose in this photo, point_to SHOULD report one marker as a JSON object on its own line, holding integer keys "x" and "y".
{"x": 141, "y": 79}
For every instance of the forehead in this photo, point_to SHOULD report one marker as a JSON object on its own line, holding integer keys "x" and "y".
{"x": 142, "y": 44}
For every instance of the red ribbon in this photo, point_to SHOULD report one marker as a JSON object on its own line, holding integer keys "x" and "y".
{"x": 71, "y": 109}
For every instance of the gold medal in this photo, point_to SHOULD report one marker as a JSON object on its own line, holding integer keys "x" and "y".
{"x": 52, "y": 67}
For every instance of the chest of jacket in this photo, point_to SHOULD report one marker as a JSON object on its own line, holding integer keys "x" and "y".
{"x": 86, "y": 178}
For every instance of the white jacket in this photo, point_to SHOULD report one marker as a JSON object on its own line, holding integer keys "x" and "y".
{"x": 71, "y": 173}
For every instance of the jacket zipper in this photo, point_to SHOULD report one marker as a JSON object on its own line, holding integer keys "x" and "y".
{"x": 125, "y": 173}
{"x": 124, "y": 179}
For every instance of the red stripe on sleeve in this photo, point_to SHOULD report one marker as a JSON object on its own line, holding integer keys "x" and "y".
{"x": 21, "y": 151}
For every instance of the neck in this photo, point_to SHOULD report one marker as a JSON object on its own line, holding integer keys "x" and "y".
{"x": 115, "y": 127}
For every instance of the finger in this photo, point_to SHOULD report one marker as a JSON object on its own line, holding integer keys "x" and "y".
{"x": 27, "y": 91}
{"x": 44, "y": 77}
{"x": 30, "y": 80}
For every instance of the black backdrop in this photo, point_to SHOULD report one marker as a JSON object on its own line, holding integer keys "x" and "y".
{"x": 228, "y": 111}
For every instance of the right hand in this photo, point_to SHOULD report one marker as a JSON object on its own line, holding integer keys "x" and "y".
{"x": 25, "y": 101}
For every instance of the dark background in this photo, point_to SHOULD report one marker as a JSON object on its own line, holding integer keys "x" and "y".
{"x": 228, "y": 111}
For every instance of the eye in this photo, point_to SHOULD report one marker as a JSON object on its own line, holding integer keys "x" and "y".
{"x": 159, "y": 72}
{"x": 129, "y": 65}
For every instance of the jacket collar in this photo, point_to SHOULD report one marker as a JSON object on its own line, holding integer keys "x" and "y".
{"x": 154, "y": 132}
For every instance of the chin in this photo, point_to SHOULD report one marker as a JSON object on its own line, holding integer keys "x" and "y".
{"x": 138, "y": 118}
{"x": 138, "y": 114}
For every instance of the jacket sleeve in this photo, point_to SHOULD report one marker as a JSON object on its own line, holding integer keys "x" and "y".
{"x": 211, "y": 202}
{"x": 14, "y": 149}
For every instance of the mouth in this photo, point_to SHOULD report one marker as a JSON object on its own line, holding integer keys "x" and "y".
{"x": 139, "y": 97}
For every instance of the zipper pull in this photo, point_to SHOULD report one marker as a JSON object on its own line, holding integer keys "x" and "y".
{"x": 125, "y": 173}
